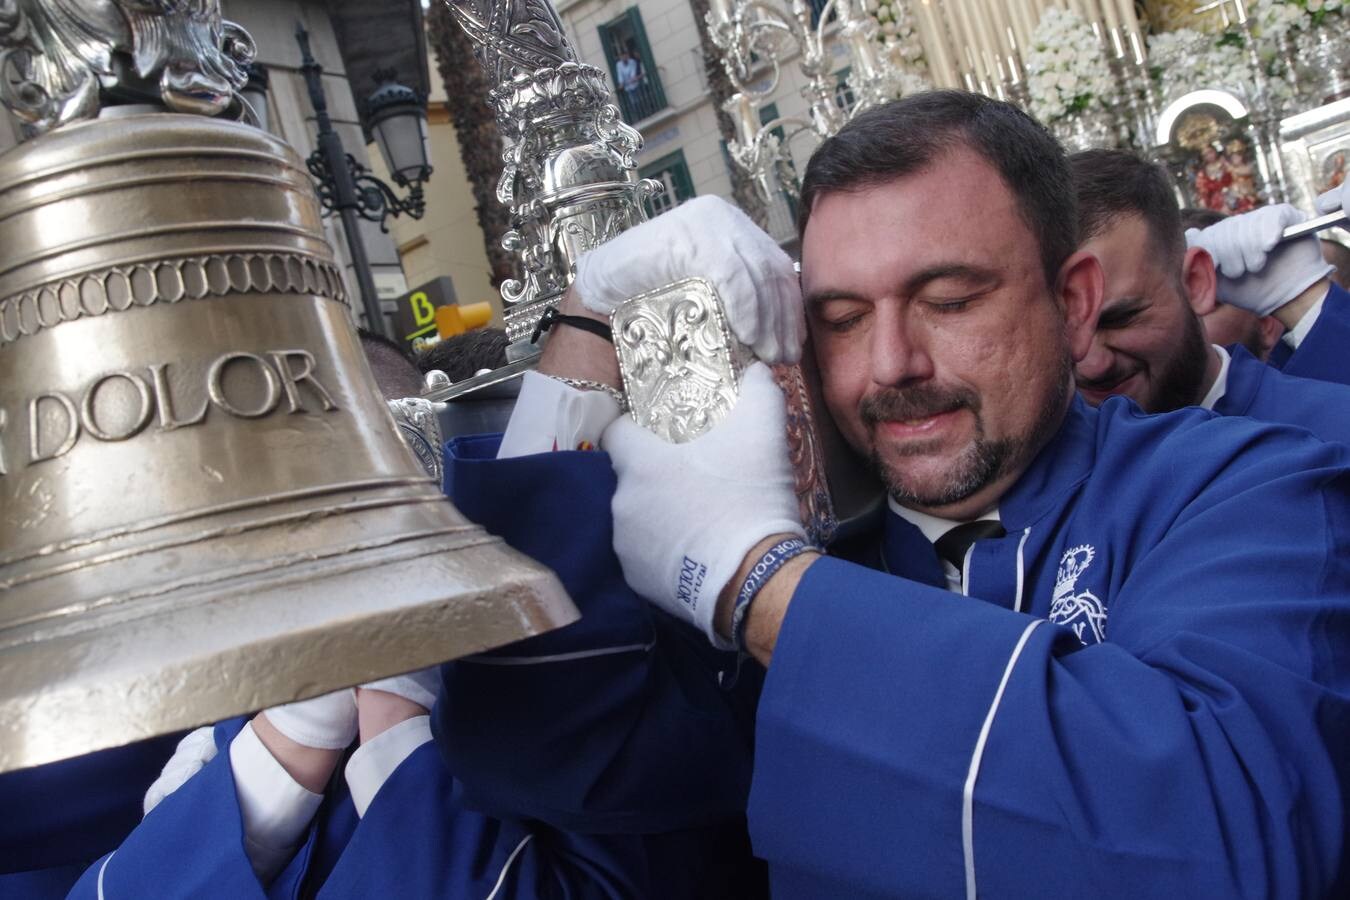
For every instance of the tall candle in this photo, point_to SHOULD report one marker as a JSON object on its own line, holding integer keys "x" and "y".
{"x": 984, "y": 37}
{"x": 937, "y": 50}
{"x": 967, "y": 52}
{"x": 1027, "y": 15}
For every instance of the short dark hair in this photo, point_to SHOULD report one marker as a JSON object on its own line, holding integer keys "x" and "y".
{"x": 462, "y": 355}
{"x": 394, "y": 371}
{"x": 1199, "y": 217}
{"x": 908, "y": 135}
{"x": 1109, "y": 184}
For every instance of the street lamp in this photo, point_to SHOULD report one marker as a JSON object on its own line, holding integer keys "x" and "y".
{"x": 254, "y": 93}
{"x": 398, "y": 120}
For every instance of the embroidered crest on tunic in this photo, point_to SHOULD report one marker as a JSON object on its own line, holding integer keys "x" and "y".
{"x": 1082, "y": 612}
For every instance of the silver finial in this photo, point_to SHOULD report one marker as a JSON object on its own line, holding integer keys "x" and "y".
{"x": 64, "y": 60}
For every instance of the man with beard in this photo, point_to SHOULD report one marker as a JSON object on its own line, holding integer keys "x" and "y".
{"x": 1150, "y": 343}
{"x": 911, "y": 742}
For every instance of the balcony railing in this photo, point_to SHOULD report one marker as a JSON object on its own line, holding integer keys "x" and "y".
{"x": 642, "y": 100}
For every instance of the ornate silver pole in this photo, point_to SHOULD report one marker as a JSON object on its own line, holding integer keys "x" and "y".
{"x": 570, "y": 170}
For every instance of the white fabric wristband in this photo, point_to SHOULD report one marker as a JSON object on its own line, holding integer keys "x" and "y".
{"x": 550, "y": 415}
{"x": 375, "y": 760}
{"x": 273, "y": 808}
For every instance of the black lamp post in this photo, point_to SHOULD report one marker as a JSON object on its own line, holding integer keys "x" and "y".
{"x": 398, "y": 120}
{"x": 254, "y": 93}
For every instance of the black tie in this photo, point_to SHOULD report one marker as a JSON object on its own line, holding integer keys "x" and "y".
{"x": 953, "y": 545}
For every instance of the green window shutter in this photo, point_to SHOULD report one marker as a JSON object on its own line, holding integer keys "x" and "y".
{"x": 672, "y": 171}
{"x": 648, "y": 60}
{"x": 627, "y": 32}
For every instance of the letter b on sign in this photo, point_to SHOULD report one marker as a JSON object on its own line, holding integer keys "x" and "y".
{"x": 423, "y": 312}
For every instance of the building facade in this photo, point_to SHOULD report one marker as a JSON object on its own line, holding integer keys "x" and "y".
{"x": 652, "y": 53}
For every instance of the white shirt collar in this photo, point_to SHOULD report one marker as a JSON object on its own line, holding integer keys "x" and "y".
{"x": 1220, "y": 385}
{"x": 932, "y": 526}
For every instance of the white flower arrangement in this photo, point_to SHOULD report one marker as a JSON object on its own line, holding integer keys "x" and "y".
{"x": 1186, "y": 60}
{"x": 1316, "y": 10}
{"x": 1067, "y": 72}
{"x": 899, "y": 37}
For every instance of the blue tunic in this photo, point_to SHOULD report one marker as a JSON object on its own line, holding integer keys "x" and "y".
{"x": 1322, "y": 353}
{"x": 1150, "y": 696}
{"x": 1268, "y": 394}
{"x": 416, "y": 840}
{"x": 60, "y": 817}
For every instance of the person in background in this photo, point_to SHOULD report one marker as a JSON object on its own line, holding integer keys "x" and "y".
{"x": 1267, "y": 276}
{"x": 465, "y": 355}
{"x": 1150, "y": 345}
{"x": 1226, "y": 324}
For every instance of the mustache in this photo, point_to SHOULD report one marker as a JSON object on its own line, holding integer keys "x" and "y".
{"x": 918, "y": 402}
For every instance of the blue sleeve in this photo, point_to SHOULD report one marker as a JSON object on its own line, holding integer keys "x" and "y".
{"x": 913, "y": 743}
{"x": 617, "y": 723}
{"x": 192, "y": 845}
{"x": 418, "y": 839}
{"x": 1322, "y": 353}
{"x": 100, "y": 802}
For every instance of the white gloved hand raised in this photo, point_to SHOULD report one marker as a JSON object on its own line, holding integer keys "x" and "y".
{"x": 326, "y": 722}
{"x": 1254, "y": 273}
{"x": 686, "y": 515}
{"x": 705, "y": 237}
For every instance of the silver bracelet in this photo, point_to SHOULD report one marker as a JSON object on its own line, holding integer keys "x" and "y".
{"x": 583, "y": 384}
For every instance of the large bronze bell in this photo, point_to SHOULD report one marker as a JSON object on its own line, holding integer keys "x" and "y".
{"x": 205, "y": 508}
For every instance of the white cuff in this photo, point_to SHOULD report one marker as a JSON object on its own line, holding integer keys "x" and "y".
{"x": 550, "y": 415}
{"x": 1294, "y": 336}
{"x": 274, "y": 808}
{"x": 375, "y": 760}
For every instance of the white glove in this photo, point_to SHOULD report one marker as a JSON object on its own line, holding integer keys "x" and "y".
{"x": 686, "y": 515}
{"x": 1251, "y": 276}
{"x": 705, "y": 237}
{"x": 193, "y": 752}
{"x": 1334, "y": 199}
{"x": 421, "y": 687}
{"x": 326, "y": 722}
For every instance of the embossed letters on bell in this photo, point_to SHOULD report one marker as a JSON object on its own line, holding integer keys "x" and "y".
{"x": 205, "y": 506}
{"x": 120, "y": 405}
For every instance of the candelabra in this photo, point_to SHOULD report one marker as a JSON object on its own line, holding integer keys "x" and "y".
{"x": 754, "y": 35}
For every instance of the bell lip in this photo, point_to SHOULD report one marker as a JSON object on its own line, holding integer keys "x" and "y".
{"x": 158, "y": 684}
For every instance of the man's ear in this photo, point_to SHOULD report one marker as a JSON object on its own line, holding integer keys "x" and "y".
{"x": 1080, "y": 289}
{"x": 1200, "y": 280}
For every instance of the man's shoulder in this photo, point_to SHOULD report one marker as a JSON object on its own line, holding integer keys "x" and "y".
{"x": 1201, "y": 449}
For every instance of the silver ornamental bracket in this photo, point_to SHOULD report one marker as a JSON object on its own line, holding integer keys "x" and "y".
{"x": 64, "y": 60}
{"x": 569, "y": 163}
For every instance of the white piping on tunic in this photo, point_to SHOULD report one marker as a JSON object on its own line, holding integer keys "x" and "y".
{"x": 965, "y": 570}
{"x": 1021, "y": 568}
{"x": 100, "y": 873}
{"x": 557, "y": 657}
{"x": 501, "y": 879}
{"x": 968, "y": 794}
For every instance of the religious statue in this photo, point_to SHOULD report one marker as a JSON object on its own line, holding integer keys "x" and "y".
{"x": 1212, "y": 179}
{"x": 1242, "y": 195}
{"x": 1225, "y": 178}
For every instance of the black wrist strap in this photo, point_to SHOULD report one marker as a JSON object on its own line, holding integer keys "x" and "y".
{"x": 552, "y": 317}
